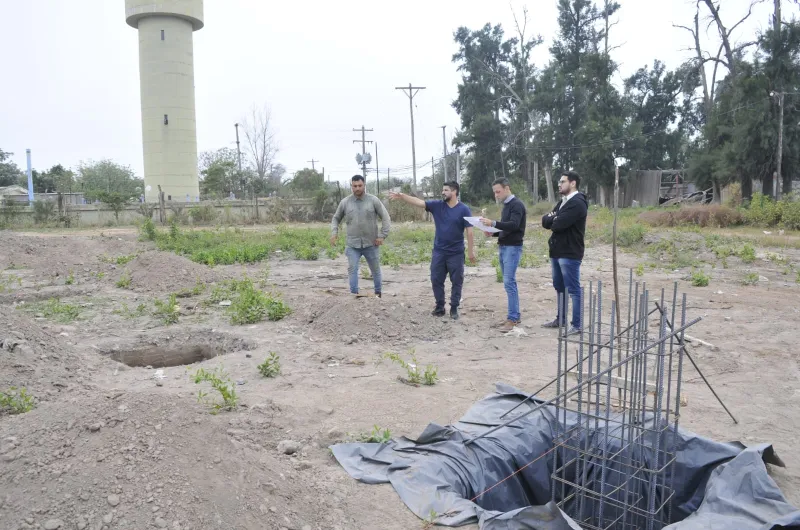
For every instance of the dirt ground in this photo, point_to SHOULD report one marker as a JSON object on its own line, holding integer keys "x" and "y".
{"x": 112, "y": 446}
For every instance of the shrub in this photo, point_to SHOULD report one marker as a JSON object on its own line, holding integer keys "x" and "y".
{"x": 204, "y": 214}
{"x": 696, "y": 215}
{"x": 43, "y": 211}
{"x": 632, "y": 235}
{"x": 700, "y": 279}
{"x": 271, "y": 365}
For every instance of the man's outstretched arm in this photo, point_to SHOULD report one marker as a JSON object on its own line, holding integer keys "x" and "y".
{"x": 413, "y": 201}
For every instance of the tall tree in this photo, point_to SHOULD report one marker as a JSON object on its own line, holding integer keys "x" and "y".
{"x": 261, "y": 146}
{"x": 482, "y": 58}
{"x": 110, "y": 177}
{"x": 9, "y": 171}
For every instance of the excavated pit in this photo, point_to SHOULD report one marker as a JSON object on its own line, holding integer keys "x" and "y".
{"x": 173, "y": 350}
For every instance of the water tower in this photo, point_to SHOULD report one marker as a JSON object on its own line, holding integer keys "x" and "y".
{"x": 166, "y": 76}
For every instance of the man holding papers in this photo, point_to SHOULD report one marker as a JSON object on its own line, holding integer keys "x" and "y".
{"x": 509, "y": 230}
{"x": 450, "y": 217}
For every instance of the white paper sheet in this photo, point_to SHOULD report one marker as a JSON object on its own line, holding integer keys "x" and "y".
{"x": 476, "y": 222}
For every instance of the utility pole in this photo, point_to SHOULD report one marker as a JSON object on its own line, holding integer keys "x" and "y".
{"x": 458, "y": 166}
{"x": 364, "y": 143}
{"x": 779, "y": 183}
{"x": 444, "y": 146}
{"x": 238, "y": 151}
{"x": 412, "y": 91}
{"x": 377, "y": 171}
{"x": 312, "y": 163}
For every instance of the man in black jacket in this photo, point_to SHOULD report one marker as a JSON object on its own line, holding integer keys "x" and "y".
{"x": 568, "y": 223}
{"x": 509, "y": 239}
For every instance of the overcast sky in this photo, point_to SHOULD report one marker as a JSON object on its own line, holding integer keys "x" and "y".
{"x": 70, "y": 84}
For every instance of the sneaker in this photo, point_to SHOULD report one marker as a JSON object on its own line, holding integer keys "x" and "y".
{"x": 377, "y": 295}
{"x": 454, "y": 313}
{"x": 508, "y": 325}
{"x": 573, "y": 331}
{"x": 438, "y": 312}
{"x": 551, "y": 325}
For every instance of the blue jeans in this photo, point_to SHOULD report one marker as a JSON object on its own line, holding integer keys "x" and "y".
{"x": 509, "y": 261}
{"x": 373, "y": 257}
{"x": 441, "y": 264}
{"x": 567, "y": 275}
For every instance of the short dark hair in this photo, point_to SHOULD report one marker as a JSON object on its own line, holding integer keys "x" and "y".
{"x": 453, "y": 185}
{"x": 503, "y": 182}
{"x": 572, "y": 177}
{"x": 357, "y": 177}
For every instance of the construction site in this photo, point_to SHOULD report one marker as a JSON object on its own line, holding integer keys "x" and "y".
{"x": 120, "y": 432}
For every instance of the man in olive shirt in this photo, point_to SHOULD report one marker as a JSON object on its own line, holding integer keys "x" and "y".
{"x": 360, "y": 211}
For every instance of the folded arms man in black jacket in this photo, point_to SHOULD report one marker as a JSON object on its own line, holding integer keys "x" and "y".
{"x": 568, "y": 223}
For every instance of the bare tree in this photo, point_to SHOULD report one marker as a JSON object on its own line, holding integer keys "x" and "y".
{"x": 260, "y": 143}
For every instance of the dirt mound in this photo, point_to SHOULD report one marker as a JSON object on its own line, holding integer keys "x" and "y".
{"x": 39, "y": 358}
{"x": 142, "y": 460}
{"x": 344, "y": 317}
{"x": 51, "y": 255}
{"x": 164, "y": 272}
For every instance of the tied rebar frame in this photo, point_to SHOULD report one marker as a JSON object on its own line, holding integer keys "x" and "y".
{"x": 618, "y": 399}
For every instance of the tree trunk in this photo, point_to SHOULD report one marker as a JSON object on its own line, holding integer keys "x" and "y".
{"x": 548, "y": 175}
{"x": 717, "y": 191}
{"x": 535, "y": 181}
{"x": 747, "y": 188}
{"x": 767, "y": 187}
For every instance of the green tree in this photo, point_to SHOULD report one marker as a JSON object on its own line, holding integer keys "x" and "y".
{"x": 483, "y": 61}
{"x": 307, "y": 181}
{"x": 219, "y": 173}
{"x": 9, "y": 171}
{"x": 110, "y": 177}
{"x": 114, "y": 200}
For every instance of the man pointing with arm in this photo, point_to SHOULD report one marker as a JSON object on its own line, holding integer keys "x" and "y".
{"x": 448, "y": 244}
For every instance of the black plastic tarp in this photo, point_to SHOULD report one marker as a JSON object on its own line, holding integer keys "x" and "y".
{"x": 717, "y": 485}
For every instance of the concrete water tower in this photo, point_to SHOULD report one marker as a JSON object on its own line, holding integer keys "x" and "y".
{"x": 166, "y": 75}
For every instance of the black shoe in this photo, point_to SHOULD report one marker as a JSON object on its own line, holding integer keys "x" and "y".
{"x": 551, "y": 325}
{"x": 454, "y": 313}
{"x": 378, "y": 294}
{"x": 437, "y": 312}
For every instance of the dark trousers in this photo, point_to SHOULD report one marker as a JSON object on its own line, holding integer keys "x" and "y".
{"x": 441, "y": 265}
{"x": 567, "y": 282}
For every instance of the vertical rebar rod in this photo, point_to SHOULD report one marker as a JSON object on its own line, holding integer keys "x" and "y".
{"x": 556, "y": 434}
{"x": 586, "y": 437}
{"x": 677, "y": 393}
{"x": 604, "y": 459}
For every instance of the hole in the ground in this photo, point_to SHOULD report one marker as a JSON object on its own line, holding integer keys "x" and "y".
{"x": 159, "y": 357}
{"x": 164, "y": 351}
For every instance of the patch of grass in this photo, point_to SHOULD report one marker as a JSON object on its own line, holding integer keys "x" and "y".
{"x": 220, "y": 383}
{"x": 639, "y": 270}
{"x": 747, "y": 254}
{"x": 693, "y": 216}
{"x": 124, "y": 281}
{"x": 700, "y": 279}
{"x": 271, "y": 366}
{"x": 167, "y": 310}
{"x": 8, "y": 281}
{"x": 631, "y": 235}
{"x": 125, "y": 312}
{"x": 751, "y": 278}
{"x": 250, "y": 305}
{"x": 57, "y": 310}
{"x": 70, "y": 278}
{"x": 414, "y": 377}
{"x": 198, "y": 289}
{"x": 15, "y": 401}
{"x": 376, "y": 436}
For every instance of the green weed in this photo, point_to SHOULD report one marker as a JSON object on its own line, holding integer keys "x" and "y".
{"x": 250, "y": 305}
{"x": 222, "y": 384}
{"x": 6, "y": 282}
{"x": 15, "y": 401}
{"x": 70, "y": 279}
{"x": 429, "y": 377}
{"x": 271, "y": 366}
{"x": 700, "y": 279}
{"x": 57, "y": 310}
{"x": 747, "y": 254}
{"x": 124, "y": 281}
{"x": 168, "y": 310}
{"x": 751, "y": 278}
{"x": 639, "y": 270}
{"x": 125, "y": 312}
{"x": 376, "y": 436}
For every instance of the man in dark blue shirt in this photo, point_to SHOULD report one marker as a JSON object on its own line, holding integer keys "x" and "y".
{"x": 448, "y": 244}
